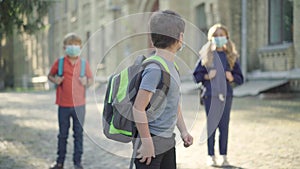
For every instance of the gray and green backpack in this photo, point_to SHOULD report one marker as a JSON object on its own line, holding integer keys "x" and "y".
{"x": 122, "y": 88}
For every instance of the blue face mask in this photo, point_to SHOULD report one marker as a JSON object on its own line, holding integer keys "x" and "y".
{"x": 181, "y": 48}
{"x": 182, "y": 45}
{"x": 219, "y": 41}
{"x": 72, "y": 50}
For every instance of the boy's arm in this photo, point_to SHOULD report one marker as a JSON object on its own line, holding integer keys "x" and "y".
{"x": 52, "y": 74}
{"x": 185, "y": 135}
{"x": 86, "y": 81}
{"x": 90, "y": 79}
{"x": 51, "y": 78}
{"x": 146, "y": 152}
{"x": 55, "y": 79}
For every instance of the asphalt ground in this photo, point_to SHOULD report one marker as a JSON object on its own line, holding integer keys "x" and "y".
{"x": 264, "y": 133}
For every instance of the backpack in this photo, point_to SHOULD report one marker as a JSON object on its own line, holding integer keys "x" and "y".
{"x": 61, "y": 67}
{"x": 122, "y": 88}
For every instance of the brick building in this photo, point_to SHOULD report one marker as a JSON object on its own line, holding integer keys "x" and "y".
{"x": 263, "y": 31}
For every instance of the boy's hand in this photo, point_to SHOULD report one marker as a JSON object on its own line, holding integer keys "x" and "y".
{"x": 59, "y": 80}
{"x": 187, "y": 140}
{"x": 146, "y": 151}
{"x": 83, "y": 80}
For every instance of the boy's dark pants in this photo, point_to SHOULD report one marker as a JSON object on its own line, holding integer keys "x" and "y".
{"x": 218, "y": 115}
{"x": 64, "y": 114}
{"x": 165, "y": 154}
{"x": 161, "y": 161}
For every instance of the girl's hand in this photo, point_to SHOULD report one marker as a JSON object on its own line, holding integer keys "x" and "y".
{"x": 146, "y": 151}
{"x": 212, "y": 73}
{"x": 229, "y": 76}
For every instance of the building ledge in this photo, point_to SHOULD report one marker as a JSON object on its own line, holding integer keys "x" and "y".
{"x": 274, "y": 75}
{"x": 255, "y": 87}
{"x": 277, "y": 57}
{"x": 271, "y": 48}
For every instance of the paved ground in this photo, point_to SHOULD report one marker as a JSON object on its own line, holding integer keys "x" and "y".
{"x": 263, "y": 134}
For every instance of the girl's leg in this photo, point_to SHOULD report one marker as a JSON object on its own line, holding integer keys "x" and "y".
{"x": 224, "y": 127}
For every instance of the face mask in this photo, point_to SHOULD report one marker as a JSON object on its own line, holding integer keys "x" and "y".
{"x": 219, "y": 41}
{"x": 72, "y": 50}
{"x": 182, "y": 45}
{"x": 181, "y": 48}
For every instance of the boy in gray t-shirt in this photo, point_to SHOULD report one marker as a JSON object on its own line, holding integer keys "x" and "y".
{"x": 156, "y": 128}
{"x": 162, "y": 122}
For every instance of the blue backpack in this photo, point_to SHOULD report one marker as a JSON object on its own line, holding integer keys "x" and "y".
{"x": 60, "y": 71}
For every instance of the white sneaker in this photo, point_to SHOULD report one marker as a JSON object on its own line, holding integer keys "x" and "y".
{"x": 211, "y": 161}
{"x": 224, "y": 162}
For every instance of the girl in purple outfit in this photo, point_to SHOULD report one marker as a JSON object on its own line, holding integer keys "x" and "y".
{"x": 218, "y": 68}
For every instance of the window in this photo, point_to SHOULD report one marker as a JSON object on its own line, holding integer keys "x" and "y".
{"x": 75, "y": 7}
{"x": 74, "y": 10}
{"x": 201, "y": 18}
{"x": 212, "y": 13}
{"x": 280, "y": 21}
{"x": 57, "y": 11}
{"x": 86, "y": 13}
{"x": 66, "y": 6}
{"x": 88, "y": 45}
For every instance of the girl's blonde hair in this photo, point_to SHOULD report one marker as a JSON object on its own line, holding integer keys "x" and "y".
{"x": 206, "y": 52}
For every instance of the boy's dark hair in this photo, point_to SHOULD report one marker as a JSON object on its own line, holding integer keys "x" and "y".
{"x": 165, "y": 28}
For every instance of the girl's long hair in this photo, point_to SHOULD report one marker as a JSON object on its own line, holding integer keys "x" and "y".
{"x": 206, "y": 52}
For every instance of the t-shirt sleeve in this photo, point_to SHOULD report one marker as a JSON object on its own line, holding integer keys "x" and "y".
{"x": 151, "y": 78}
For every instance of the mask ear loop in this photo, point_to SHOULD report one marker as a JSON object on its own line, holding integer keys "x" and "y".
{"x": 155, "y": 54}
{"x": 182, "y": 46}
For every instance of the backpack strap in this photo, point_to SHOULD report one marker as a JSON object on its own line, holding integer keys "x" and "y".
{"x": 60, "y": 66}
{"x": 157, "y": 59}
{"x": 60, "y": 71}
{"x": 176, "y": 67}
{"x": 82, "y": 67}
{"x": 164, "y": 83}
{"x": 165, "y": 72}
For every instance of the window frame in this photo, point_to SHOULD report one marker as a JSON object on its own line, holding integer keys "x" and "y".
{"x": 281, "y": 34}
